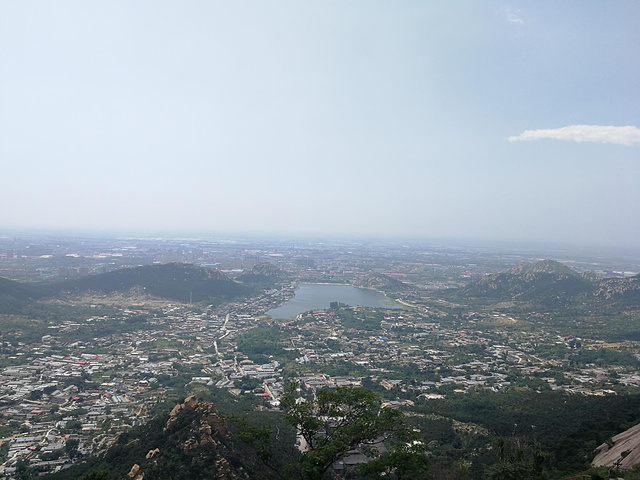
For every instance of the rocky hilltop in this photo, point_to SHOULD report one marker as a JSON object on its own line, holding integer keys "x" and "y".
{"x": 547, "y": 280}
{"x": 542, "y": 267}
{"x": 208, "y": 424}
{"x": 553, "y": 284}
{"x": 194, "y": 430}
{"x": 191, "y": 442}
{"x": 626, "y": 290}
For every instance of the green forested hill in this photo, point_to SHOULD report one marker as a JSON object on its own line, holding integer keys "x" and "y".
{"x": 174, "y": 281}
{"x": 14, "y": 295}
{"x": 265, "y": 274}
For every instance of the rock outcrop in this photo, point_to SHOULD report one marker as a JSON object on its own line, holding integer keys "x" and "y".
{"x": 208, "y": 423}
{"x": 134, "y": 471}
{"x": 192, "y": 442}
{"x": 623, "y": 451}
{"x": 152, "y": 453}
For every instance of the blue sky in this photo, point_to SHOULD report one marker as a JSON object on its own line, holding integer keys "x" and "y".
{"x": 487, "y": 120}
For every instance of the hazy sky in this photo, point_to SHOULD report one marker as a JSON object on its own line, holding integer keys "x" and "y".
{"x": 479, "y": 119}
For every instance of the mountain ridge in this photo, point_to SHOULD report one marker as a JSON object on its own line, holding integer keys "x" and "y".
{"x": 554, "y": 284}
{"x": 174, "y": 281}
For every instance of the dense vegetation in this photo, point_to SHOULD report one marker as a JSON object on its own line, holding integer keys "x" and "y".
{"x": 29, "y": 310}
{"x": 261, "y": 342}
{"x": 195, "y": 441}
{"x": 174, "y": 281}
{"x": 263, "y": 274}
{"x": 566, "y": 428}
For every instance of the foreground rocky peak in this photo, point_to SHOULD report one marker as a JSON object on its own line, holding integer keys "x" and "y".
{"x": 207, "y": 425}
{"x": 192, "y": 442}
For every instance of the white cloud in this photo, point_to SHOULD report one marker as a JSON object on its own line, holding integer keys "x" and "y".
{"x": 513, "y": 18}
{"x": 513, "y": 15}
{"x": 628, "y": 135}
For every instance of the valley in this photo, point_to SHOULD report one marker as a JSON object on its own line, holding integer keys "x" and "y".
{"x": 86, "y": 360}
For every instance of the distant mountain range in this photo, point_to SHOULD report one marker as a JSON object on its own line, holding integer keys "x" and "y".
{"x": 173, "y": 281}
{"x": 551, "y": 282}
{"x": 547, "y": 282}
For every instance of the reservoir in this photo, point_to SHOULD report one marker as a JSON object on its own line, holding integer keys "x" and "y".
{"x": 317, "y": 296}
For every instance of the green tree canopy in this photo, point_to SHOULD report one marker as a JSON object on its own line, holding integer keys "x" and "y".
{"x": 340, "y": 420}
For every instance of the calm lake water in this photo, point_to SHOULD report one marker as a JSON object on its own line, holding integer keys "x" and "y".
{"x": 316, "y": 296}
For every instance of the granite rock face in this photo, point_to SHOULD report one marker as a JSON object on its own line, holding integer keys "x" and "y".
{"x": 624, "y": 450}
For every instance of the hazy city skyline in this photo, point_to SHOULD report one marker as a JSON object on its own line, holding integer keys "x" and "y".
{"x": 505, "y": 120}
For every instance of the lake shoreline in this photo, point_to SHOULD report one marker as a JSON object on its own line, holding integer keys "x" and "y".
{"x": 319, "y": 295}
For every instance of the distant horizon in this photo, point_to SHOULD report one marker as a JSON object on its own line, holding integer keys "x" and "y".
{"x": 493, "y": 121}
{"x": 284, "y": 237}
